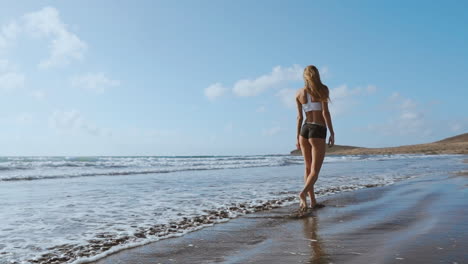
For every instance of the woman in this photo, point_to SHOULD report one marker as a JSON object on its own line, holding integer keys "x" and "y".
{"x": 311, "y": 135}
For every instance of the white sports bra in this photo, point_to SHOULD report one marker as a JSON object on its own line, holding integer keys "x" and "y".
{"x": 311, "y": 106}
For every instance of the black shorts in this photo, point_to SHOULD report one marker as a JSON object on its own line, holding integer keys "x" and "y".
{"x": 313, "y": 130}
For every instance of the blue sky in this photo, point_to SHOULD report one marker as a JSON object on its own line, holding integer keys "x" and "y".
{"x": 219, "y": 77}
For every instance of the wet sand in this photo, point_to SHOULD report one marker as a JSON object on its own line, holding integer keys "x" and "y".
{"x": 423, "y": 220}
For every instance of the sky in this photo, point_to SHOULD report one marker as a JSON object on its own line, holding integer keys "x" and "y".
{"x": 219, "y": 77}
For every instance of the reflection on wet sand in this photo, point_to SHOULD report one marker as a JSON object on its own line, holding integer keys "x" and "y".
{"x": 318, "y": 254}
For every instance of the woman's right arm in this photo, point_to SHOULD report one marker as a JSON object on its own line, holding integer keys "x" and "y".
{"x": 300, "y": 118}
{"x": 328, "y": 121}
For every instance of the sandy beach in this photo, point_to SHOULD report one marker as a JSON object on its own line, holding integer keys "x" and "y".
{"x": 422, "y": 220}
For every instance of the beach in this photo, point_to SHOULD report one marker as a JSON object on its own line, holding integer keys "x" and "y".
{"x": 422, "y": 220}
{"x": 111, "y": 209}
{"x": 165, "y": 132}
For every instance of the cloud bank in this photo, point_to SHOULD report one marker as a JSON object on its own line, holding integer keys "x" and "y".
{"x": 277, "y": 78}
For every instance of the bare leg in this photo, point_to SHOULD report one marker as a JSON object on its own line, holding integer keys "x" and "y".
{"x": 306, "y": 174}
{"x": 306, "y": 149}
{"x": 311, "y": 193}
{"x": 318, "y": 154}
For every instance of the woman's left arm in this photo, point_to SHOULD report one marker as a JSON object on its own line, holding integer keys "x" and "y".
{"x": 328, "y": 121}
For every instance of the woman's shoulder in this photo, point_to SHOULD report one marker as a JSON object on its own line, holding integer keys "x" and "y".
{"x": 327, "y": 91}
{"x": 300, "y": 92}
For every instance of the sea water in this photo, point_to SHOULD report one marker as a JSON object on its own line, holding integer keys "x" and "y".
{"x": 77, "y": 209}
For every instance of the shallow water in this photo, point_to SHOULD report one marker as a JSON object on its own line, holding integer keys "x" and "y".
{"x": 73, "y": 209}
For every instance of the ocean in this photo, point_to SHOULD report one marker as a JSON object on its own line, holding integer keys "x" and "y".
{"x": 79, "y": 209}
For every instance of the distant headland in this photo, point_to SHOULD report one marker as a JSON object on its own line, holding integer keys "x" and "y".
{"x": 452, "y": 145}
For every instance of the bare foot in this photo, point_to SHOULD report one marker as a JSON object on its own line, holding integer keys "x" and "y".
{"x": 303, "y": 201}
{"x": 313, "y": 203}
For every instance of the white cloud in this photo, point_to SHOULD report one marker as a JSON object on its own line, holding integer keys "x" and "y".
{"x": 287, "y": 97}
{"x": 10, "y": 78}
{"x": 46, "y": 23}
{"x": 278, "y": 76}
{"x": 11, "y": 81}
{"x": 72, "y": 121}
{"x": 37, "y": 94}
{"x": 11, "y": 30}
{"x": 8, "y": 34}
{"x": 276, "y": 79}
{"x": 343, "y": 91}
{"x": 411, "y": 118}
{"x": 65, "y": 120}
{"x": 343, "y": 98}
{"x": 64, "y": 45}
{"x": 271, "y": 131}
{"x": 408, "y": 118}
{"x": 97, "y": 82}
{"x": 215, "y": 90}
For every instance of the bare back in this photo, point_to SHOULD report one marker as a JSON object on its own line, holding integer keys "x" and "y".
{"x": 311, "y": 116}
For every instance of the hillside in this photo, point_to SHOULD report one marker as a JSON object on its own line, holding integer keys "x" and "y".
{"x": 452, "y": 145}
{"x": 455, "y": 139}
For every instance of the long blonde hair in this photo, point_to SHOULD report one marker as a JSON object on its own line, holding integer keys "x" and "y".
{"x": 314, "y": 85}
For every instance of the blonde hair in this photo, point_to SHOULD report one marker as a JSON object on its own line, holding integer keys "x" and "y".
{"x": 314, "y": 85}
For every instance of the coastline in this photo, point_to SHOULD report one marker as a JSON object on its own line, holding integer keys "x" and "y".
{"x": 453, "y": 145}
{"x": 426, "y": 225}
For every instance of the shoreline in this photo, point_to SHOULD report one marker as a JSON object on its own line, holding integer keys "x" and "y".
{"x": 355, "y": 227}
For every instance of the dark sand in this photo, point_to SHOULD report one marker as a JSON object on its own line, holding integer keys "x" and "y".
{"x": 423, "y": 220}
